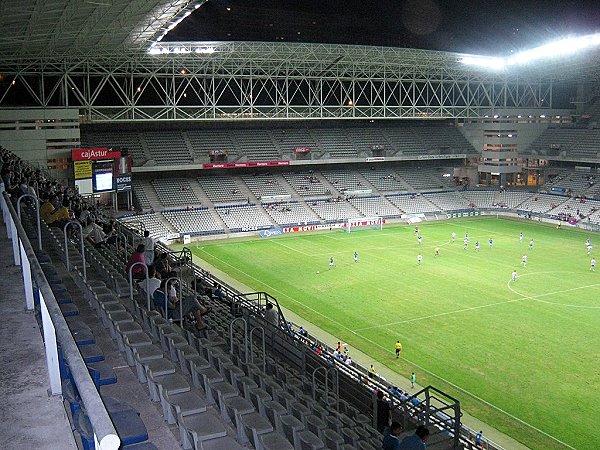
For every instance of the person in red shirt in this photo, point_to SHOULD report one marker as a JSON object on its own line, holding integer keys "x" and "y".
{"x": 137, "y": 256}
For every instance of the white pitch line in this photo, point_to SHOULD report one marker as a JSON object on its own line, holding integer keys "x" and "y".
{"x": 291, "y": 248}
{"x": 472, "y": 308}
{"x": 391, "y": 352}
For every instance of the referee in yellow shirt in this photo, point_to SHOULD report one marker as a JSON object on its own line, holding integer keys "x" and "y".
{"x": 398, "y": 349}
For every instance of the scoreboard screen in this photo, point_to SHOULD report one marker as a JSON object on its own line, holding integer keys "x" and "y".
{"x": 103, "y": 176}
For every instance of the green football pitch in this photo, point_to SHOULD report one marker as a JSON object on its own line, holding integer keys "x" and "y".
{"x": 522, "y": 355}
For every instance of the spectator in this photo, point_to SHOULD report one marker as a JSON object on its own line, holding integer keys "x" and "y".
{"x": 162, "y": 264}
{"x": 48, "y": 208}
{"x": 390, "y": 437}
{"x": 61, "y": 215}
{"x": 271, "y": 314}
{"x": 149, "y": 248}
{"x": 94, "y": 234}
{"x": 479, "y": 439}
{"x": 136, "y": 257}
{"x": 415, "y": 441}
{"x": 152, "y": 283}
{"x": 383, "y": 411}
{"x": 189, "y": 305}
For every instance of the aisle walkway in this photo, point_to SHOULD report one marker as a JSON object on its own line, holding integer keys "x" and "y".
{"x": 29, "y": 417}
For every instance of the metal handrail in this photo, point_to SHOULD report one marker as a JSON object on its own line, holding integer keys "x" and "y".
{"x": 264, "y": 349}
{"x": 37, "y": 211}
{"x": 82, "y": 250}
{"x": 104, "y": 430}
{"x": 131, "y": 281}
{"x": 231, "y": 324}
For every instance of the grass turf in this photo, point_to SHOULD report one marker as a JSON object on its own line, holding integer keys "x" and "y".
{"x": 522, "y": 356}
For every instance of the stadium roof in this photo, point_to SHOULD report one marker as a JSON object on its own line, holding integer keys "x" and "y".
{"x": 97, "y": 29}
{"x": 84, "y": 27}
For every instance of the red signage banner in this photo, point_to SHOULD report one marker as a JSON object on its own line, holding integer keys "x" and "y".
{"x": 302, "y": 150}
{"x": 93, "y": 153}
{"x": 244, "y": 164}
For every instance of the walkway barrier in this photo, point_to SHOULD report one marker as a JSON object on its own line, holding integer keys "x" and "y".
{"x": 55, "y": 331}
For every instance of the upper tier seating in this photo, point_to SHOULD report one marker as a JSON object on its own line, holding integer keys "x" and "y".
{"x": 256, "y": 144}
{"x": 335, "y": 141}
{"x": 119, "y": 140}
{"x": 175, "y": 191}
{"x": 193, "y": 221}
{"x": 290, "y": 139}
{"x": 203, "y": 141}
{"x": 244, "y": 217}
{"x": 167, "y": 147}
{"x": 375, "y": 206}
{"x": 445, "y": 140}
{"x": 404, "y": 140}
{"x": 221, "y": 189}
{"x": 365, "y": 138}
{"x": 291, "y": 213}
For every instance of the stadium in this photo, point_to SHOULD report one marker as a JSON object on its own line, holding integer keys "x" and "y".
{"x": 231, "y": 226}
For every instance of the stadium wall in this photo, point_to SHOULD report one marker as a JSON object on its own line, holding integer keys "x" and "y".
{"x": 43, "y": 137}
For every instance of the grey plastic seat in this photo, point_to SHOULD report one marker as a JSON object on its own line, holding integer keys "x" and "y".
{"x": 251, "y": 426}
{"x": 196, "y": 429}
{"x": 300, "y": 411}
{"x": 332, "y": 439}
{"x": 132, "y": 341}
{"x": 350, "y": 436}
{"x": 182, "y": 404}
{"x": 291, "y": 426}
{"x": 142, "y": 355}
{"x": 362, "y": 445}
{"x": 309, "y": 441}
{"x": 233, "y": 408}
{"x": 274, "y": 410}
{"x": 315, "y": 425}
{"x": 273, "y": 441}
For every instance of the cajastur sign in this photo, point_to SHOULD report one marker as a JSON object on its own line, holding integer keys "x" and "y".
{"x": 94, "y": 153}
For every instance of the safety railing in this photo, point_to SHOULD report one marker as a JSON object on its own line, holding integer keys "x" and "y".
{"x": 55, "y": 331}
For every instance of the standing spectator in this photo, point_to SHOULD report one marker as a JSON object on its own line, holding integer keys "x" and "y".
{"x": 371, "y": 371}
{"x": 479, "y": 439}
{"x": 137, "y": 256}
{"x": 148, "y": 248}
{"x": 383, "y": 412}
{"x": 415, "y": 441}
{"x": 390, "y": 437}
{"x": 271, "y": 314}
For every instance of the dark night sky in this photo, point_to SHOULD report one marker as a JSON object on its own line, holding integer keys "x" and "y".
{"x": 483, "y": 27}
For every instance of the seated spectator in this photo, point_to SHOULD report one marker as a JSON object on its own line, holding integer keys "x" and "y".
{"x": 61, "y": 215}
{"x": 152, "y": 283}
{"x": 390, "y": 437}
{"x": 138, "y": 272}
{"x": 94, "y": 234}
{"x": 415, "y": 441}
{"x": 218, "y": 293}
{"x": 162, "y": 264}
{"x": 48, "y": 208}
{"x": 189, "y": 305}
